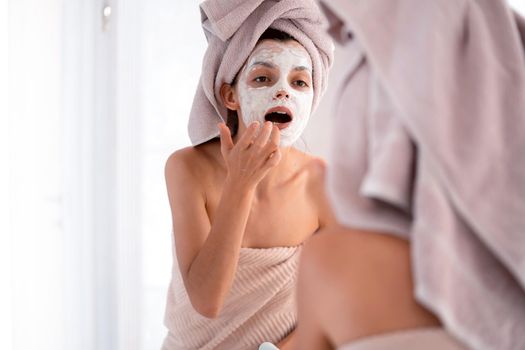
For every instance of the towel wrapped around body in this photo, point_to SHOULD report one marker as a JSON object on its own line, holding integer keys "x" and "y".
{"x": 259, "y": 307}
{"x": 429, "y": 145}
{"x": 232, "y": 28}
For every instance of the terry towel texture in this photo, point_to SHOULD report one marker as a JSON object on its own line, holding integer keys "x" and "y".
{"x": 260, "y": 306}
{"x": 232, "y": 28}
{"x": 429, "y": 144}
{"x": 414, "y": 339}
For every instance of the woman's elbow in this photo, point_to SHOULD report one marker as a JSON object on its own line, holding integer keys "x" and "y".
{"x": 205, "y": 299}
{"x": 207, "y": 308}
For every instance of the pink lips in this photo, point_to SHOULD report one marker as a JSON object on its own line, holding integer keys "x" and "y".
{"x": 280, "y": 109}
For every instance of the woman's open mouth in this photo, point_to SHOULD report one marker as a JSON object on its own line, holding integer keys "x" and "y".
{"x": 279, "y": 116}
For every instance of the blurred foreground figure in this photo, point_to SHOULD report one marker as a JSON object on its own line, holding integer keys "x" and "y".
{"x": 427, "y": 180}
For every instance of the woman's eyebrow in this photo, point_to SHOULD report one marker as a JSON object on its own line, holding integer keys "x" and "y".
{"x": 301, "y": 68}
{"x": 263, "y": 63}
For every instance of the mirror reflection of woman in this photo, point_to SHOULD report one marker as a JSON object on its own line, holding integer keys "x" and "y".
{"x": 243, "y": 204}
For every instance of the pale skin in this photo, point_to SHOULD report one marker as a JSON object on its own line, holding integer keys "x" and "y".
{"x": 354, "y": 284}
{"x": 229, "y": 194}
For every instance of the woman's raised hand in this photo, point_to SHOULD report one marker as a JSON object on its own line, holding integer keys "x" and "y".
{"x": 254, "y": 154}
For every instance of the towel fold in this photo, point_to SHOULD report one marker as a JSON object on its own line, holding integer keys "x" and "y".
{"x": 429, "y": 145}
{"x": 232, "y": 28}
{"x": 259, "y": 307}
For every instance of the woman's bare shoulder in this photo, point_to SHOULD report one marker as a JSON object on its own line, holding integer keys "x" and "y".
{"x": 194, "y": 160}
{"x": 314, "y": 166}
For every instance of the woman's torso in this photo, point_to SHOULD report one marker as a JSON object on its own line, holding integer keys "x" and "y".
{"x": 261, "y": 303}
{"x": 284, "y": 213}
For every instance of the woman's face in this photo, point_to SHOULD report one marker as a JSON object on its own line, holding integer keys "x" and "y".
{"x": 276, "y": 85}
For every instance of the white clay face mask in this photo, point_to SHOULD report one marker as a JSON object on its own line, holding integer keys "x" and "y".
{"x": 276, "y": 85}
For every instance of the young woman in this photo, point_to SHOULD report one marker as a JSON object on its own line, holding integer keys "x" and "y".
{"x": 243, "y": 205}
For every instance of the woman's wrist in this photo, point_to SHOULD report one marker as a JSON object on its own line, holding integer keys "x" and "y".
{"x": 239, "y": 186}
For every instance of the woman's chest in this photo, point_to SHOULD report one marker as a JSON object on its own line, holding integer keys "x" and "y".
{"x": 283, "y": 217}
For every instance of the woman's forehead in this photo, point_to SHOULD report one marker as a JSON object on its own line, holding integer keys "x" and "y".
{"x": 268, "y": 48}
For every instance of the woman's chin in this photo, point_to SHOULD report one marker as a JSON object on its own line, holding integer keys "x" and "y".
{"x": 286, "y": 143}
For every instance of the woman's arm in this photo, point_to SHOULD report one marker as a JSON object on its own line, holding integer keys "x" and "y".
{"x": 208, "y": 252}
{"x": 311, "y": 328}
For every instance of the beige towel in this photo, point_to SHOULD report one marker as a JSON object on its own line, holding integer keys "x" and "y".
{"x": 430, "y": 145}
{"x": 260, "y": 306}
{"x": 412, "y": 339}
{"x": 233, "y": 28}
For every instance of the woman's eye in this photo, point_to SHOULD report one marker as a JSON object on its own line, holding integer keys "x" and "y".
{"x": 301, "y": 83}
{"x": 261, "y": 79}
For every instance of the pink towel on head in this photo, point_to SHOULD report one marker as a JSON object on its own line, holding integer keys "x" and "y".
{"x": 430, "y": 145}
{"x": 232, "y": 28}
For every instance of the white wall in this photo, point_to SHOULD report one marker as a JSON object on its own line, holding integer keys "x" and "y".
{"x": 6, "y": 329}
{"x": 172, "y": 46}
{"x": 34, "y": 174}
{"x": 519, "y": 5}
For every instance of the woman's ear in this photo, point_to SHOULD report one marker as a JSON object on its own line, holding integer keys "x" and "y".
{"x": 229, "y": 97}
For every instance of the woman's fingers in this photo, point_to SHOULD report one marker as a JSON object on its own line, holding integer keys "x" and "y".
{"x": 256, "y": 150}
{"x": 273, "y": 159}
{"x": 275, "y": 137}
{"x": 272, "y": 148}
{"x": 226, "y": 138}
{"x": 247, "y": 138}
{"x": 273, "y": 141}
{"x": 264, "y": 135}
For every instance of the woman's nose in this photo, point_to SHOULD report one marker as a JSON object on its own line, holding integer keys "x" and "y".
{"x": 282, "y": 94}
